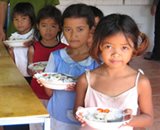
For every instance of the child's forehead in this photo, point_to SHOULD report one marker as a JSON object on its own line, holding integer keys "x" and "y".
{"x": 75, "y": 20}
{"x": 118, "y": 38}
{"x": 20, "y": 15}
{"x": 48, "y": 19}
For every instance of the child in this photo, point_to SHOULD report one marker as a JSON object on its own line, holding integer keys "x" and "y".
{"x": 23, "y": 20}
{"x": 98, "y": 15}
{"x": 49, "y": 28}
{"x": 115, "y": 84}
{"x": 77, "y": 21}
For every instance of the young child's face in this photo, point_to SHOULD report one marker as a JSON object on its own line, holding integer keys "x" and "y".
{"x": 22, "y": 23}
{"x": 48, "y": 29}
{"x": 116, "y": 50}
{"x": 76, "y": 31}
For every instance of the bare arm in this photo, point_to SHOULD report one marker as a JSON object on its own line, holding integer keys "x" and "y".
{"x": 154, "y": 7}
{"x": 81, "y": 88}
{"x": 48, "y": 91}
{"x": 145, "y": 118}
{"x": 30, "y": 58}
{"x": 3, "y": 11}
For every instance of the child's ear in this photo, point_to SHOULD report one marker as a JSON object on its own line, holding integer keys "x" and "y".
{"x": 100, "y": 48}
{"x": 37, "y": 26}
{"x": 92, "y": 30}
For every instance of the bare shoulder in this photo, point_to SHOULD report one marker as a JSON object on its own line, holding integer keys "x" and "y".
{"x": 144, "y": 80}
{"x": 82, "y": 81}
{"x": 31, "y": 48}
{"x": 144, "y": 84}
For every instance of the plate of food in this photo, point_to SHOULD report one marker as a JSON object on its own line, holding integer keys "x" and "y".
{"x": 102, "y": 118}
{"x": 15, "y": 43}
{"x": 38, "y": 66}
{"x": 55, "y": 81}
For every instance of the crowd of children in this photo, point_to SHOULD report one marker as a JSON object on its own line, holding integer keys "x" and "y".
{"x": 98, "y": 53}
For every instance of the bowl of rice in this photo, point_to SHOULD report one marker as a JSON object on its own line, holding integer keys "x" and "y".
{"x": 103, "y": 118}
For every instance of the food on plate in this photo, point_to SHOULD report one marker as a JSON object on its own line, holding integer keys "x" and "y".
{"x": 38, "y": 66}
{"x": 103, "y": 118}
{"x": 55, "y": 78}
{"x": 104, "y": 115}
{"x": 55, "y": 81}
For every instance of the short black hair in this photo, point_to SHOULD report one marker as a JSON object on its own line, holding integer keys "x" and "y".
{"x": 49, "y": 11}
{"x": 79, "y": 11}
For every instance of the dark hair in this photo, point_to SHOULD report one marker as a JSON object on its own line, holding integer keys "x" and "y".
{"x": 113, "y": 24}
{"x": 26, "y": 9}
{"x": 97, "y": 12}
{"x": 79, "y": 11}
{"x": 50, "y": 11}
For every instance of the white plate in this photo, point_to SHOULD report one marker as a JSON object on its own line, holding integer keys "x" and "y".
{"x": 54, "y": 80}
{"x": 38, "y": 66}
{"x": 15, "y": 43}
{"x": 117, "y": 118}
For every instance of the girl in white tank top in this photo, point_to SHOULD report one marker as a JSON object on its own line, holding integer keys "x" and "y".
{"x": 115, "y": 84}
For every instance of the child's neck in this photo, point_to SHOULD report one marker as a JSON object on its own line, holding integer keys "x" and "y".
{"x": 24, "y": 32}
{"x": 49, "y": 43}
{"x": 113, "y": 72}
{"x": 78, "y": 54}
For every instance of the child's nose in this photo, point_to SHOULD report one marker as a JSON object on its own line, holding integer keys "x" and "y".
{"x": 116, "y": 55}
{"x": 73, "y": 34}
{"x": 20, "y": 22}
{"x": 116, "y": 52}
{"x": 48, "y": 29}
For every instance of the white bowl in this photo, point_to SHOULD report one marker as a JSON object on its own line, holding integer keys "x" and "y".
{"x": 15, "y": 43}
{"x": 55, "y": 81}
{"x": 54, "y": 85}
{"x": 38, "y": 66}
{"x": 88, "y": 115}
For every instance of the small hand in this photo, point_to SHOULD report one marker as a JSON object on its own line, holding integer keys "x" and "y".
{"x": 71, "y": 87}
{"x": 127, "y": 116}
{"x": 39, "y": 82}
{"x": 79, "y": 117}
{"x": 28, "y": 43}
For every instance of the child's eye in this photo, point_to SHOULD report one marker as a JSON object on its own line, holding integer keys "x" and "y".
{"x": 15, "y": 19}
{"x": 67, "y": 29}
{"x": 125, "y": 48}
{"x": 43, "y": 25}
{"x": 24, "y": 18}
{"x": 53, "y": 26}
{"x": 80, "y": 29}
{"x": 107, "y": 46}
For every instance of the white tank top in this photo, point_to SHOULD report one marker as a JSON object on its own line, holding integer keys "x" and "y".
{"x": 127, "y": 99}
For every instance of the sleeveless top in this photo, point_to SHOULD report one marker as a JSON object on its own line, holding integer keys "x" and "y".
{"x": 41, "y": 53}
{"x": 127, "y": 99}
